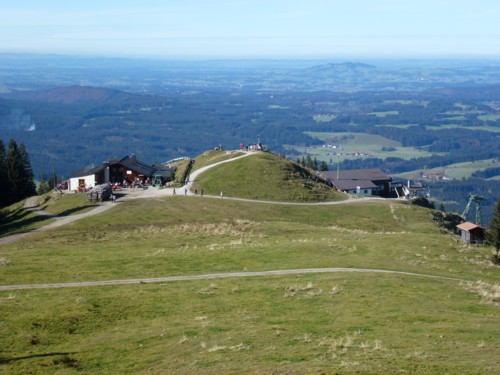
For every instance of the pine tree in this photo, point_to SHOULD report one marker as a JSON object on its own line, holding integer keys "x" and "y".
{"x": 323, "y": 166}
{"x": 52, "y": 181}
{"x": 309, "y": 161}
{"x": 494, "y": 231}
{"x": 43, "y": 185}
{"x": 20, "y": 179}
{"x": 28, "y": 178}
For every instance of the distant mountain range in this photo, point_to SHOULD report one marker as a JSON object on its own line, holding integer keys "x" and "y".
{"x": 345, "y": 67}
{"x": 77, "y": 94}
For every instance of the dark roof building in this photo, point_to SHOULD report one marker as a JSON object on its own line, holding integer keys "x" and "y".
{"x": 360, "y": 181}
{"x": 125, "y": 170}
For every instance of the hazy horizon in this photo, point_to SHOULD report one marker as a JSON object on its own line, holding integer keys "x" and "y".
{"x": 249, "y": 30}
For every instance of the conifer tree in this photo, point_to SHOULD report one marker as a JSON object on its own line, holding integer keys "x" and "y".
{"x": 315, "y": 164}
{"x": 43, "y": 185}
{"x": 309, "y": 162}
{"x": 323, "y": 166}
{"x": 52, "y": 181}
{"x": 19, "y": 173}
{"x": 28, "y": 177}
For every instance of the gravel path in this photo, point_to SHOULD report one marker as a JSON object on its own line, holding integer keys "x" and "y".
{"x": 30, "y": 205}
{"x": 215, "y": 276}
{"x": 59, "y": 221}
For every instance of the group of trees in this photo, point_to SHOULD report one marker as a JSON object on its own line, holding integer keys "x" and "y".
{"x": 16, "y": 176}
{"x": 314, "y": 164}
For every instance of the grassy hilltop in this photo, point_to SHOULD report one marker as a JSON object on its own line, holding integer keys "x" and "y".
{"x": 339, "y": 322}
{"x": 263, "y": 176}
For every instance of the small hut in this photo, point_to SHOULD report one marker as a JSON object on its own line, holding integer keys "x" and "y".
{"x": 471, "y": 233}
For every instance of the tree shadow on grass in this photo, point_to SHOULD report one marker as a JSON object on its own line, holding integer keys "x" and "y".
{"x": 41, "y": 355}
{"x": 75, "y": 210}
{"x": 495, "y": 259}
{"x": 17, "y": 222}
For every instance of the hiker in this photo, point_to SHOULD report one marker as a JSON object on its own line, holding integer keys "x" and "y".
{"x": 195, "y": 191}
{"x": 221, "y": 194}
{"x": 201, "y": 192}
{"x": 185, "y": 191}
{"x": 174, "y": 193}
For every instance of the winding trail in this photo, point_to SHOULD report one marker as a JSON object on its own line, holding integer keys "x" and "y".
{"x": 31, "y": 205}
{"x": 59, "y": 221}
{"x": 211, "y": 276}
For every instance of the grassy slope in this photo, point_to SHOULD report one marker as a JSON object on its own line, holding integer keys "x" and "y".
{"x": 265, "y": 176}
{"x": 211, "y": 157}
{"x": 15, "y": 219}
{"x": 346, "y": 322}
{"x": 18, "y": 220}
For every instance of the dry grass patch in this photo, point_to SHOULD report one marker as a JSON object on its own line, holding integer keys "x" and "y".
{"x": 490, "y": 293}
{"x": 209, "y": 290}
{"x": 234, "y": 228}
{"x": 307, "y": 291}
{"x": 339, "y": 229}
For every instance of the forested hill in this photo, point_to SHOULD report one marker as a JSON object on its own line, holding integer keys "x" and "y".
{"x": 84, "y": 95}
{"x": 75, "y": 94}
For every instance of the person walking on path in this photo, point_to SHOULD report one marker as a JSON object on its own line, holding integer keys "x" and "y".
{"x": 174, "y": 193}
{"x": 185, "y": 191}
{"x": 221, "y": 194}
{"x": 201, "y": 192}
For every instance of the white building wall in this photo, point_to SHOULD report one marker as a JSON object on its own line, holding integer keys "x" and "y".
{"x": 89, "y": 181}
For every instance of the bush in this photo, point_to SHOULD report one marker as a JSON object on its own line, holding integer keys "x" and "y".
{"x": 423, "y": 202}
{"x": 447, "y": 220}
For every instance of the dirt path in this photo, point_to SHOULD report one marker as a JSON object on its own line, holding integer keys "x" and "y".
{"x": 216, "y": 276}
{"x": 59, "y": 221}
{"x": 31, "y": 205}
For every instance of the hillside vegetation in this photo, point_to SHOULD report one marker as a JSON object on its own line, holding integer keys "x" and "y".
{"x": 265, "y": 176}
{"x": 341, "y": 322}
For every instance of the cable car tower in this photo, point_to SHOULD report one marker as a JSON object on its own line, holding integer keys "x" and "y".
{"x": 473, "y": 198}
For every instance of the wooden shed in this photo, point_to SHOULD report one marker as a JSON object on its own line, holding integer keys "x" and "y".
{"x": 471, "y": 233}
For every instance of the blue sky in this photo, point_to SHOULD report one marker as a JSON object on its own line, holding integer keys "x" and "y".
{"x": 306, "y": 29}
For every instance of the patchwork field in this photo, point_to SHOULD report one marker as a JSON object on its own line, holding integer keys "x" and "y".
{"x": 454, "y": 171}
{"x": 357, "y": 145}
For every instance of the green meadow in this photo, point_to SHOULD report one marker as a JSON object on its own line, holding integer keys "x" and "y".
{"x": 340, "y": 322}
{"x": 370, "y": 145}
{"x": 456, "y": 170}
